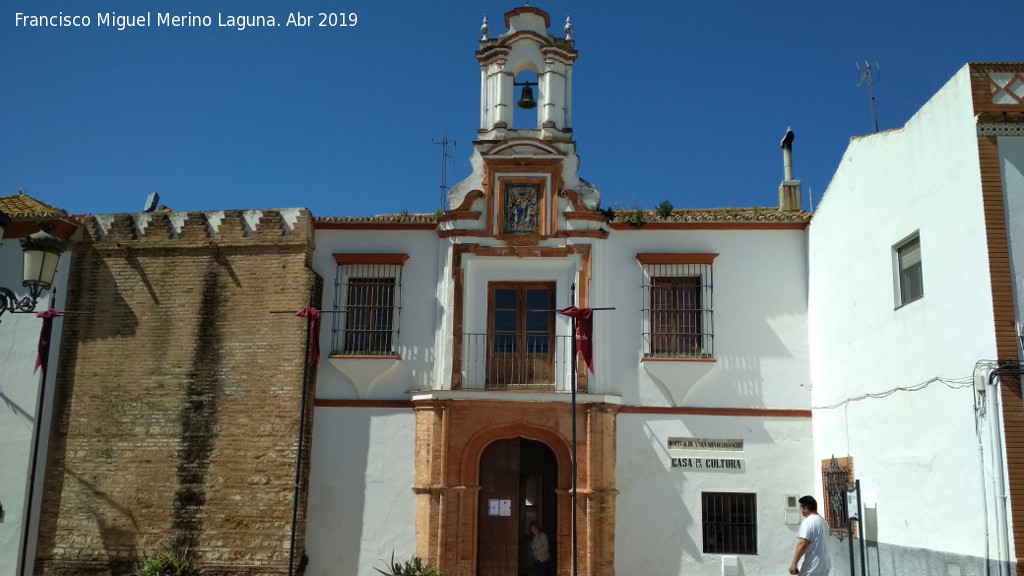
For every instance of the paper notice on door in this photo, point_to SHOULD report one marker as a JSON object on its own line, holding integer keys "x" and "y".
{"x": 506, "y": 507}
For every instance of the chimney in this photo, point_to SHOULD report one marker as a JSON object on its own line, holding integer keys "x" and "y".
{"x": 789, "y": 190}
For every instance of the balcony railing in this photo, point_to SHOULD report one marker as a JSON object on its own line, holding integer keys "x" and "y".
{"x": 529, "y": 362}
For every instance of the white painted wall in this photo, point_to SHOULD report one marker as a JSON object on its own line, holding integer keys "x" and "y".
{"x": 19, "y": 406}
{"x": 760, "y": 302}
{"x": 915, "y": 453}
{"x": 383, "y": 379}
{"x": 361, "y": 506}
{"x": 361, "y": 502}
{"x": 761, "y": 362}
{"x": 658, "y": 510}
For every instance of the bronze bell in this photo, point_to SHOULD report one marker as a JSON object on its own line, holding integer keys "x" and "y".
{"x": 526, "y": 101}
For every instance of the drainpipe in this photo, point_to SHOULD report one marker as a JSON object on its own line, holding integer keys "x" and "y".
{"x": 999, "y": 483}
{"x": 979, "y": 400}
{"x": 302, "y": 429}
{"x": 442, "y": 536}
{"x": 992, "y": 389}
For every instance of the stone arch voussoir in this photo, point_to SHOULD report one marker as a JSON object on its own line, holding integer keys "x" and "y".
{"x": 551, "y": 438}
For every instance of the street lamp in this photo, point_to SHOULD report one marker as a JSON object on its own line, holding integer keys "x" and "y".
{"x": 41, "y": 252}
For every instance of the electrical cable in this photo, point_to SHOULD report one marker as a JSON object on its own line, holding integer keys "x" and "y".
{"x": 951, "y": 383}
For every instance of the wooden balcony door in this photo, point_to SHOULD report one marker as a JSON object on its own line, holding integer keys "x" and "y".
{"x": 520, "y": 335}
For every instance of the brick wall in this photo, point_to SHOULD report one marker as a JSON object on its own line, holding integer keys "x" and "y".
{"x": 179, "y": 394}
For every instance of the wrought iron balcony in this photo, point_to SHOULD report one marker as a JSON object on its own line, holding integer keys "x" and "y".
{"x": 527, "y": 362}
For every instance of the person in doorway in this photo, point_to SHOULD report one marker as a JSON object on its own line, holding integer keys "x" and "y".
{"x": 812, "y": 542}
{"x": 540, "y": 550}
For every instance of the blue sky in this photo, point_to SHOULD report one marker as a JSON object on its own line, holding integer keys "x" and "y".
{"x": 678, "y": 100}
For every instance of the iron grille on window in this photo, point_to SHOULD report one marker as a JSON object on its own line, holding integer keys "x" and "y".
{"x": 729, "y": 523}
{"x": 677, "y": 312}
{"x": 370, "y": 297}
{"x": 835, "y": 475}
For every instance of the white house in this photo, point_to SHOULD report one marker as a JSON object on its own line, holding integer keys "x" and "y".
{"x": 915, "y": 275}
{"x": 444, "y": 419}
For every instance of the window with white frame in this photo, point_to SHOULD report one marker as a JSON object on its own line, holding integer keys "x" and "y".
{"x": 368, "y": 304}
{"x": 909, "y": 279}
{"x": 678, "y": 319}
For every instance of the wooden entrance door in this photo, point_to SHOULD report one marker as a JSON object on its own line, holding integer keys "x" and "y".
{"x": 517, "y": 486}
{"x": 521, "y": 330}
{"x": 498, "y": 523}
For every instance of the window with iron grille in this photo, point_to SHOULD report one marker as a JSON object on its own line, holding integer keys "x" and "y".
{"x": 836, "y": 473}
{"x": 678, "y": 319}
{"x": 367, "y": 297}
{"x": 729, "y": 522}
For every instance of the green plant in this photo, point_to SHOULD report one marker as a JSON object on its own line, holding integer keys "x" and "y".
{"x": 637, "y": 218}
{"x": 411, "y": 567}
{"x": 175, "y": 563}
{"x": 665, "y": 209}
{"x": 438, "y": 214}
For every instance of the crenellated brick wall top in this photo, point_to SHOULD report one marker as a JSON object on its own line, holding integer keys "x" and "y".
{"x": 289, "y": 226}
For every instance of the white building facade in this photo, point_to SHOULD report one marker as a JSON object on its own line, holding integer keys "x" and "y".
{"x": 911, "y": 305}
{"x": 445, "y": 422}
{"x": 25, "y": 397}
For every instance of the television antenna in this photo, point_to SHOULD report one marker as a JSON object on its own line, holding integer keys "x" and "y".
{"x": 445, "y": 157}
{"x": 866, "y": 76}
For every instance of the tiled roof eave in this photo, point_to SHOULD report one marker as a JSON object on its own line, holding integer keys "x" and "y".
{"x": 398, "y": 221}
{"x": 715, "y": 216}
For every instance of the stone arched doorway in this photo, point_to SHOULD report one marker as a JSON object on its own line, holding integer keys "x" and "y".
{"x": 518, "y": 481}
{"x": 451, "y": 440}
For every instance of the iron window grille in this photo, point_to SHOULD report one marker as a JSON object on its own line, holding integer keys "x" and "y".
{"x": 729, "y": 522}
{"x": 835, "y": 475}
{"x": 678, "y": 319}
{"x": 370, "y": 295}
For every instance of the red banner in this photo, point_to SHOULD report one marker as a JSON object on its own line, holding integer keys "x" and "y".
{"x": 314, "y": 331}
{"x": 584, "y": 332}
{"x": 43, "y": 355}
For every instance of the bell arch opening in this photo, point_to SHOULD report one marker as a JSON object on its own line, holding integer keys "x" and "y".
{"x": 527, "y": 93}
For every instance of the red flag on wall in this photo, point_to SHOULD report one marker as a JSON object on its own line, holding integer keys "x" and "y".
{"x": 314, "y": 331}
{"x": 44, "y": 338}
{"x": 584, "y": 332}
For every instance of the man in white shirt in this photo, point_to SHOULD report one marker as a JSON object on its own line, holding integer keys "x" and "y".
{"x": 812, "y": 542}
{"x": 540, "y": 549}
